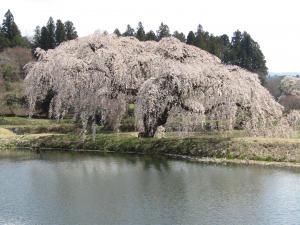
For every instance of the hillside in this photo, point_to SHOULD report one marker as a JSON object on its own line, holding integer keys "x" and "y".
{"x": 12, "y": 61}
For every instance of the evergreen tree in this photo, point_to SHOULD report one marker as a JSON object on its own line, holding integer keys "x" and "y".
{"x": 117, "y": 32}
{"x": 60, "y": 34}
{"x": 129, "y": 32}
{"x": 225, "y": 47}
{"x": 37, "y": 37}
{"x": 163, "y": 31}
{"x": 70, "y": 30}
{"x": 10, "y": 31}
{"x": 150, "y": 36}
{"x": 236, "y": 39}
{"x": 252, "y": 57}
{"x": 140, "y": 32}
{"x": 51, "y": 34}
{"x": 201, "y": 38}
{"x": 17, "y": 39}
{"x": 44, "y": 41}
{"x": 4, "y": 42}
{"x": 246, "y": 53}
{"x": 236, "y": 52}
{"x": 200, "y": 29}
{"x": 6, "y": 28}
{"x": 190, "y": 40}
{"x": 214, "y": 46}
{"x": 179, "y": 36}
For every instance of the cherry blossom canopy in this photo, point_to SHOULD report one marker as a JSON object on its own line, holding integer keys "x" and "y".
{"x": 100, "y": 74}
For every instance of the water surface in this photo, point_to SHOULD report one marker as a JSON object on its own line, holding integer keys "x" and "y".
{"x": 82, "y": 189}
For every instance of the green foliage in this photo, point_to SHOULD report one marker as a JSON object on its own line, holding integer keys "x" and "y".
{"x": 224, "y": 44}
{"x": 4, "y": 42}
{"x": 140, "y": 32}
{"x": 9, "y": 28}
{"x": 26, "y": 126}
{"x": 246, "y": 53}
{"x": 117, "y": 32}
{"x": 50, "y": 34}
{"x": 9, "y": 72}
{"x": 60, "y": 33}
{"x": 37, "y": 37}
{"x": 129, "y": 32}
{"x": 179, "y": 36}
{"x": 44, "y": 41}
{"x": 190, "y": 38}
{"x": 202, "y": 39}
{"x": 150, "y": 36}
{"x": 10, "y": 35}
{"x": 163, "y": 31}
{"x": 53, "y": 34}
{"x": 242, "y": 51}
{"x": 71, "y": 32}
{"x": 13, "y": 99}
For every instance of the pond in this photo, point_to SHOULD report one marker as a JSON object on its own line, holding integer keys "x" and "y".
{"x": 74, "y": 188}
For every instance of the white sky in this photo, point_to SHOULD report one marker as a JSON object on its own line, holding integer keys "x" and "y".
{"x": 274, "y": 24}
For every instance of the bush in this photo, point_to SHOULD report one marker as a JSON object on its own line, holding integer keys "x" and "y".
{"x": 9, "y": 72}
{"x": 13, "y": 99}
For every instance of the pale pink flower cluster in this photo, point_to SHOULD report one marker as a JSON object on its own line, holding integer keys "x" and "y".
{"x": 100, "y": 74}
{"x": 290, "y": 86}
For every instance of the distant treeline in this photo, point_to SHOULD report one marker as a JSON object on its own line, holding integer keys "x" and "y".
{"x": 47, "y": 37}
{"x": 51, "y": 35}
{"x": 240, "y": 49}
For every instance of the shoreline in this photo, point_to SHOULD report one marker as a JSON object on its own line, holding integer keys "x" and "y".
{"x": 195, "y": 159}
{"x": 220, "y": 147}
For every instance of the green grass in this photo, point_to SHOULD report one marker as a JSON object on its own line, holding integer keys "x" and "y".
{"x": 23, "y": 125}
{"x": 45, "y": 133}
{"x": 11, "y": 121}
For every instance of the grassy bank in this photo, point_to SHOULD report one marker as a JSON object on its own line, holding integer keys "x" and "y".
{"x": 49, "y": 134}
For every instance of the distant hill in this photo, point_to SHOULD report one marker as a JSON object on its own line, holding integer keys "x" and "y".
{"x": 284, "y": 73}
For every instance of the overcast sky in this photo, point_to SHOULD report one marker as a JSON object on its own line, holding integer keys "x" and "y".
{"x": 274, "y": 24}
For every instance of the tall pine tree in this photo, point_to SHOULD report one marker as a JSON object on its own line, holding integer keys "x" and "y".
{"x": 117, "y": 32}
{"x": 60, "y": 33}
{"x": 44, "y": 41}
{"x": 51, "y": 34}
{"x": 10, "y": 31}
{"x": 190, "y": 40}
{"x": 201, "y": 38}
{"x": 246, "y": 53}
{"x": 140, "y": 32}
{"x": 7, "y": 24}
{"x": 163, "y": 31}
{"x": 70, "y": 30}
{"x": 179, "y": 36}
{"x": 37, "y": 37}
{"x": 129, "y": 31}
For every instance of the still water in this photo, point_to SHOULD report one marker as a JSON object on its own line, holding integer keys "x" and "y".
{"x": 74, "y": 188}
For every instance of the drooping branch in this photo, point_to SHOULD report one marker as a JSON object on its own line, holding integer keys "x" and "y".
{"x": 102, "y": 73}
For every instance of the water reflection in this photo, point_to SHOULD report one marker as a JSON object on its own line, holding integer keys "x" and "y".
{"x": 76, "y": 188}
